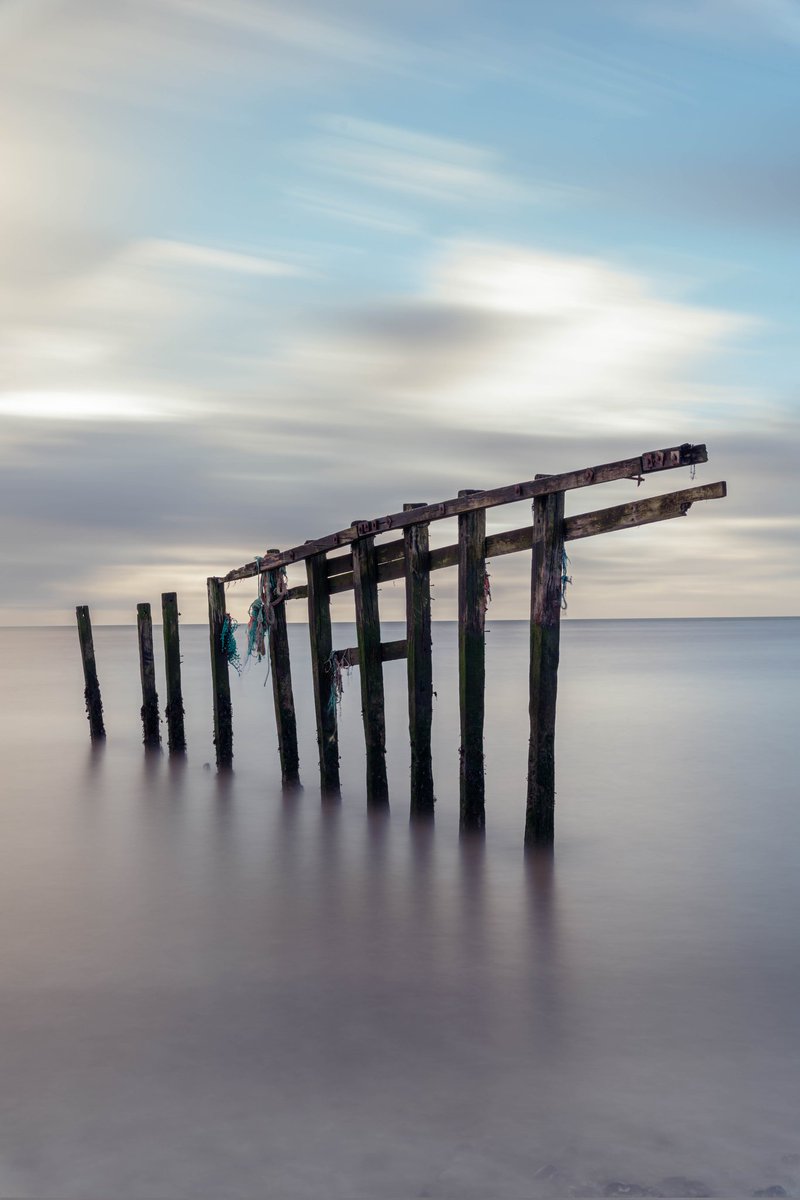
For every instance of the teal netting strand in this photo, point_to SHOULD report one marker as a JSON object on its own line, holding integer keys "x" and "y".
{"x": 228, "y": 640}
{"x": 566, "y": 578}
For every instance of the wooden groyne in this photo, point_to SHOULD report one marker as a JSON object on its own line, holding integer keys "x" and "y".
{"x": 352, "y": 560}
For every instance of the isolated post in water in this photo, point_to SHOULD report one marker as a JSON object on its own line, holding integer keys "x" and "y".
{"x": 420, "y": 668}
{"x": 281, "y": 669}
{"x": 147, "y": 670}
{"x": 471, "y": 662}
{"x": 547, "y": 569}
{"x": 94, "y": 705}
{"x": 220, "y": 681}
{"x": 322, "y": 669}
{"x": 176, "y": 736}
{"x": 370, "y": 662}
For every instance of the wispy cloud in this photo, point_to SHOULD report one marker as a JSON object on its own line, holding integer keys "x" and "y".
{"x": 725, "y": 19}
{"x": 404, "y": 161}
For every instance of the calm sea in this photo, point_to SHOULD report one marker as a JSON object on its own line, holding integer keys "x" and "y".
{"x": 210, "y": 988}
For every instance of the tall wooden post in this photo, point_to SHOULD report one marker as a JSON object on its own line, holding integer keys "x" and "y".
{"x": 420, "y": 667}
{"x": 471, "y": 662}
{"x": 319, "y": 631}
{"x": 546, "y": 573}
{"x": 91, "y": 692}
{"x": 368, "y": 627}
{"x": 220, "y": 681}
{"x": 281, "y": 668}
{"x": 176, "y": 736}
{"x": 147, "y": 671}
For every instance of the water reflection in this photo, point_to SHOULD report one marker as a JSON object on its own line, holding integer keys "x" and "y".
{"x": 212, "y": 984}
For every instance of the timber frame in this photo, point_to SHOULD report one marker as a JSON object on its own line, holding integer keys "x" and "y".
{"x": 349, "y": 560}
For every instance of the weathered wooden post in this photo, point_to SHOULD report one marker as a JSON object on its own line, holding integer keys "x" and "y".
{"x": 220, "y": 682}
{"x": 319, "y": 632}
{"x": 147, "y": 671}
{"x": 420, "y": 667}
{"x": 176, "y": 736}
{"x": 370, "y": 662}
{"x": 281, "y": 668}
{"x": 471, "y": 662}
{"x": 546, "y": 586}
{"x": 91, "y": 692}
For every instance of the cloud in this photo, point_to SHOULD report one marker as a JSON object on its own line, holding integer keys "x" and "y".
{"x": 151, "y": 51}
{"x": 773, "y": 19}
{"x": 502, "y": 334}
{"x": 504, "y": 361}
{"x": 434, "y": 169}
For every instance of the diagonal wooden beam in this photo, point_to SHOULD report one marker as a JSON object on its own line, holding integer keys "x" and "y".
{"x": 602, "y": 520}
{"x": 627, "y": 468}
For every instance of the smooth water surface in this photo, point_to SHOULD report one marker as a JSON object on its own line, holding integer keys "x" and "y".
{"x": 213, "y": 988}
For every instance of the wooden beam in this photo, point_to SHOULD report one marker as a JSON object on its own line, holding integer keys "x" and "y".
{"x": 319, "y": 631}
{"x": 420, "y": 663}
{"x": 220, "y": 681}
{"x": 471, "y": 666}
{"x": 147, "y": 671}
{"x": 390, "y": 651}
{"x": 368, "y": 628}
{"x": 91, "y": 691}
{"x": 589, "y": 524}
{"x": 176, "y": 734}
{"x": 546, "y": 585}
{"x": 628, "y": 468}
{"x": 281, "y": 669}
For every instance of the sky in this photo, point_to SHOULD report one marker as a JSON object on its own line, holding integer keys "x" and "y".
{"x": 271, "y": 267}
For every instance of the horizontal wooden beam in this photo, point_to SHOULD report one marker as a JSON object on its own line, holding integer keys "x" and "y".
{"x": 602, "y": 520}
{"x": 627, "y": 468}
{"x": 389, "y": 652}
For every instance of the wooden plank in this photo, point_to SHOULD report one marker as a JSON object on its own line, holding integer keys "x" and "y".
{"x": 281, "y": 668}
{"x": 602, "y": 520}
{"x": 368, "y": 628}
{"x": 151, "y": 732}
{"x": 628, "y": 468}
{"x": 176, "y": 734}
{"x": 220, "y": 680}
{"x": 546, "y": 585}
{"x": 319, "y": 632}
{"x": 420, "y": 663}
{"x": 471, "y": 666}
{"x": 91, "y": 691}
{"x": 390, "y": 651}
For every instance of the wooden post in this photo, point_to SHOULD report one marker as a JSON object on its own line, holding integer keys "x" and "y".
{"x": 471, "y": 663}
{"x": 220, "y": 682}
{"x": 420, "y": 667}
{"x": 368, "y": 626}
{"x": 147, "y": 671}
{"x": 281, "y": 668}
{"x": 319, "y": 631}
{"x": 91, "y": 692}
{"x": 546, "y": 573}
{"x": 176, "y": 736}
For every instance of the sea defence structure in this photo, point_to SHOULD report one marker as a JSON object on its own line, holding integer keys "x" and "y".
{"x": 350, "y": 560}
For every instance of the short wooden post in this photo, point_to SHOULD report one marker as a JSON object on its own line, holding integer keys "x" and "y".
{"x": 281, "y": 669}
{"x": 91, "y": 692}
{"x": 319, "y": 631}
{"x": 546, "y": 576}
{"x": 471, "y": 663}
{"x": 147, "y": 671}
{"x": 176, "y": 735}
{"x": 220, "y": 681}
{"x": 370, "y": 663}
{"x": 420, "y": 666}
